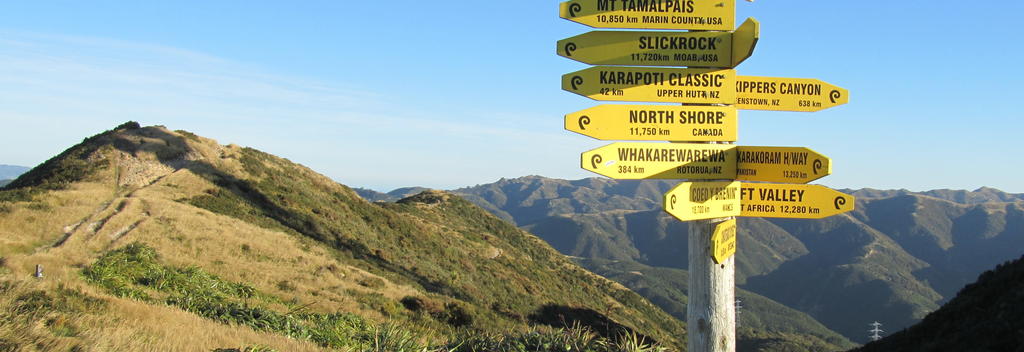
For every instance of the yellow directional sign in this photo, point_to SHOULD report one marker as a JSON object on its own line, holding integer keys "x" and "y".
{"x": 703, "y": 200}
{"x": 708, "y": 15}
{"x": 723, "y": 241}
{"x": 771, "y": 200}
{"x": 656, "y": 123}
{"x": 664, "y": 85}
{"x": 787, "y": 94}
{"x": 781, "y": 164}
{"x": 633, "y": 161}
{"x": 703, "y": 49}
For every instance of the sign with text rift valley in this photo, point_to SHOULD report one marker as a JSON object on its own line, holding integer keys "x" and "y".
{"x": 707, "y": 15}
{"x": 781, "y": 164}
{"x": 703, "y": 200}
{"x": 787, "y": 94}
{"x": 656, "y": 123}
{"x": 769, "y": 200}
{"x": 634, "y": 161}
{"x": 649, "y": 84}
{"x": 723, "y": 241}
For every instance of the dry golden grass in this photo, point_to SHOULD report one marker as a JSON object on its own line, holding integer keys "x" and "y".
{"x": 104, "y": 215}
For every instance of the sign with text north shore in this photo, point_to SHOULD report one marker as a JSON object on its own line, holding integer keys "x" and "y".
{"x": 708, "y": 15}
{"x": 781, "y": 164}
{"x": 703, "y": 200}
{"x": 770, "y": 200}
{"x": 787, "y": 94}
{"x": 634, "y": 161}
{"x": 643, "y": 48}
{"x": 723, "y": 241}
{"x": 649, "y": 84}
{"x": 656, "y": 123}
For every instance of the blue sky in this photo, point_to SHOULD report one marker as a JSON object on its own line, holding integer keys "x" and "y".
{"x": 449, "y": 94}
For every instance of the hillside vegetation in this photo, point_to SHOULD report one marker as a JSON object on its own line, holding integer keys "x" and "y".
{"x": 146, "y": 235}
{"x": 984, "y": 316}
{"x": 899, "y": 256}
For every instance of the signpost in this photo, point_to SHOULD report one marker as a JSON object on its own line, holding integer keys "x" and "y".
{"x": 703, "y": 200}
{"x": 787, "y": 94}
{"x": 723, "y": 241}
{"x": 635, "y": 161}
{"x": 693, "y": 15}
{"x": 781, "y": 164}
{"x": 770, "y": 200}
{"x": 703, "y": 49}
{"x": 710, "y": 93}
{"x": 656, "y": 123}
{"x": 647, "y": 84}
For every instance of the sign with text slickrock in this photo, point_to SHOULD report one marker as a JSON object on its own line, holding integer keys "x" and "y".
{"x": 634, "y": 161}
{"x": 708, "y": 15}
{"x": 781, "y": 164}
{"x": 787, "y": 94}
{"x": 656, "y": 123}
{"x": 648, "y": 84}
{"x": 771, "y": 200}
{"x": 703, "y": 200}
{"x": 645, "y": 48}
{"x": 723, "y": 241}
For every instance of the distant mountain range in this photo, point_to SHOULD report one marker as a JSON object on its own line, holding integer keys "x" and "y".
{"x": 899, "y": 256}
{"x": 9, "y": 172}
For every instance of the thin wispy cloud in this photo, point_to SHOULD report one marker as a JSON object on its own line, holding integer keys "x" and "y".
{"x": 71, "y": 87}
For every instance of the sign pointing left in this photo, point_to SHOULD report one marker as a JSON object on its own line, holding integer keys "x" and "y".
{"x": 634, "y": 48}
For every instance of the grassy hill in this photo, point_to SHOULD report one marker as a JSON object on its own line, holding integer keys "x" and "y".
{"x": 984, "y": 316}
{"x": 146, "y": 235}
{"x": 897, "y": 257}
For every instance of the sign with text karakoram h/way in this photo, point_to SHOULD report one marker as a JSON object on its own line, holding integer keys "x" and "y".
{"x": 708, "y": 15}
{"x": 781, "y": 164}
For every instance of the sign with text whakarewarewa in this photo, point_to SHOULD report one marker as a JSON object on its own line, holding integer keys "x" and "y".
{"x": 635, "y": 160}
{"x": 723, "y": 241}
{"x": 699, "y": 200}
{"x": 656, "y": 123}
{"x": 707, "y": 15}
{"x": 649, "y": 84}
{"x": 787, "y": 94}
{"x": 770, "y": 200}
{"x": 644, "y": 48}
{"x": 781, "y": 164}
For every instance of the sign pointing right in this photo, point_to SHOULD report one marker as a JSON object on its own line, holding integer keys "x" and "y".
{"x": 771, "y": 200}
{"x": 787, "y": 94}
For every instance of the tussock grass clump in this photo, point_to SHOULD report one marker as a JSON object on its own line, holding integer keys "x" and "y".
{"x": 136, "y": 272}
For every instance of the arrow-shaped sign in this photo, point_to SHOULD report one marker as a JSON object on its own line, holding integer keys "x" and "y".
{"x": 771, "y": 200}
{"x": 663, "y": 85}
{"x": 703, "y": 200}
{"x": 781, "y": 164}
{"x": 633, "y": 161}
{"x": 656, "y": 123}
{"x": 703, "y": 49}
{"x": 691, "y": 15}
{"x": 787, "y": 94}
{"x": 723, "y": 241}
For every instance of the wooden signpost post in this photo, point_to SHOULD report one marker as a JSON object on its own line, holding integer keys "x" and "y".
{"x": 701, "y": 77}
